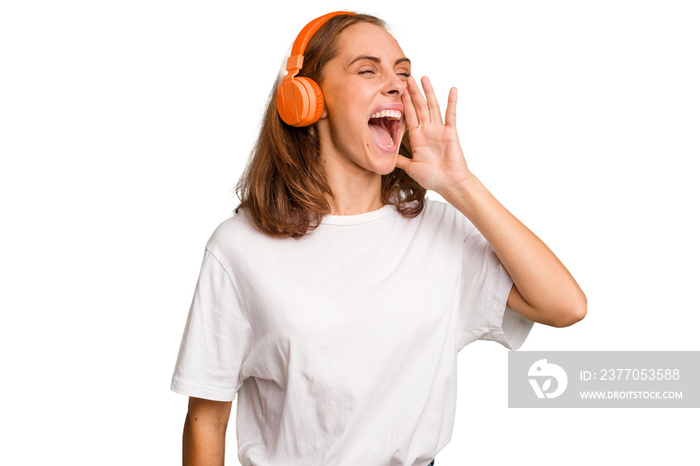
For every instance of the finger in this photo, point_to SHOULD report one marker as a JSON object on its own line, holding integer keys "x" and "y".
{"x": 433, "y": 105}
{"x": 451, "y": 112}
{"x": 409, "y": 112}
{"x": 403, "y": 162}
{"x": 418, "y": 100}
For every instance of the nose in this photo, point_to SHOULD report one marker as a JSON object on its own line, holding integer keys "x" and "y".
{"x": 394, "y": 85}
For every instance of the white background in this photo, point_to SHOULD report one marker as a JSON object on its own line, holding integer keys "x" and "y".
{"x": 125, "y": 125}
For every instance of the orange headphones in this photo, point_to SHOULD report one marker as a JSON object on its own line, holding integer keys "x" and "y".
{"x": 300, "y": 100}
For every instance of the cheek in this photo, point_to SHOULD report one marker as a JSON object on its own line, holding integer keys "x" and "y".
{"x": 347, "y": 124}
{"x": 347, "y": 113}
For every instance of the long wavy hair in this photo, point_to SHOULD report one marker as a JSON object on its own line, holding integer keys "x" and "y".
{"x": 284, "y": 189}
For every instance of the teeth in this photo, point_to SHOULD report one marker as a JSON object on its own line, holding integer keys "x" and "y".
{"x": 392, "y": 140}
{"x": 390, "y": 114}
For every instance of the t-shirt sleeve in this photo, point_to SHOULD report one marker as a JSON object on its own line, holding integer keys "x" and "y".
{"x": 216, "y": 340}
{"x": 484, "y": 291}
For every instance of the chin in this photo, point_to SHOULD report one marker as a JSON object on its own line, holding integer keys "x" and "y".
{"x": 384, "y": 164}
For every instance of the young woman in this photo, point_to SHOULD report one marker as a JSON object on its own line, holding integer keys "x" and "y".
{"x": 335, "y": 301}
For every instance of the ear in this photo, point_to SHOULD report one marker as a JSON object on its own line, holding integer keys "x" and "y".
{"x": 324, "y": 114}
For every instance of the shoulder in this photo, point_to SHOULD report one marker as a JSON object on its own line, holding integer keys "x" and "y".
{"x": 235, "y": 236}
{"x": 445, "y": 218}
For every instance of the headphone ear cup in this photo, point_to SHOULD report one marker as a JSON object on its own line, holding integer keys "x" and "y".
{"x": 314, "y": 99}
{"x": 300, "y": 102}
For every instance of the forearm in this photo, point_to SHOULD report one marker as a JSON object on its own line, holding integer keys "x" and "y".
{"x": 539, "y": 276}
{"x": 203, "y": 444}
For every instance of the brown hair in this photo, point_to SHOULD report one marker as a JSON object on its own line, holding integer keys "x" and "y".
{"x": 284, "y": 189}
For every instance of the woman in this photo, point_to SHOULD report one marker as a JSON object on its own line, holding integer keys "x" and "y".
{"x": 336, "y": 300}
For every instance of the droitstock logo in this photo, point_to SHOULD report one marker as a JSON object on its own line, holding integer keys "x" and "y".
{"x": 603, "y": 379}
{"x": 542, "y": 370}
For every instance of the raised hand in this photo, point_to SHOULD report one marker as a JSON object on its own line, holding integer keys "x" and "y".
{"x": 438, "y": 162}
{"x": 544, "y": 291}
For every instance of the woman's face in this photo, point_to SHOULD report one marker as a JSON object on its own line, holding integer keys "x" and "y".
{"x": 363, "y": 124}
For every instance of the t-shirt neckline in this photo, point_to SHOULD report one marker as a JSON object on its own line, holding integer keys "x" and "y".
{"x": 358, "y": 218}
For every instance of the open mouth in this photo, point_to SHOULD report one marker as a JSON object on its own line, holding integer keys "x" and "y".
{"x": 384, "y": 127}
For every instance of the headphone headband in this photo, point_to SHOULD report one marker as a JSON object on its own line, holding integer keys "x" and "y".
{"x": 296, "y": 59}
{"x": 310, "y": 29}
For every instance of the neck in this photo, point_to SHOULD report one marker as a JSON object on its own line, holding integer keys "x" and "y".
{"x": 355, "y": 190}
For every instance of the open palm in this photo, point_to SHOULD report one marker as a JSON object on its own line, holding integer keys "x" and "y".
{"x": 438, "y": 161}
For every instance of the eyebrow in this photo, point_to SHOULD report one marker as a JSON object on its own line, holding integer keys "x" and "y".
{"x": 377, "y": 60}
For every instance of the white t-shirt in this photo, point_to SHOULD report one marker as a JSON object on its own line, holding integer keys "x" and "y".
{"x": 342, "y": 345}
